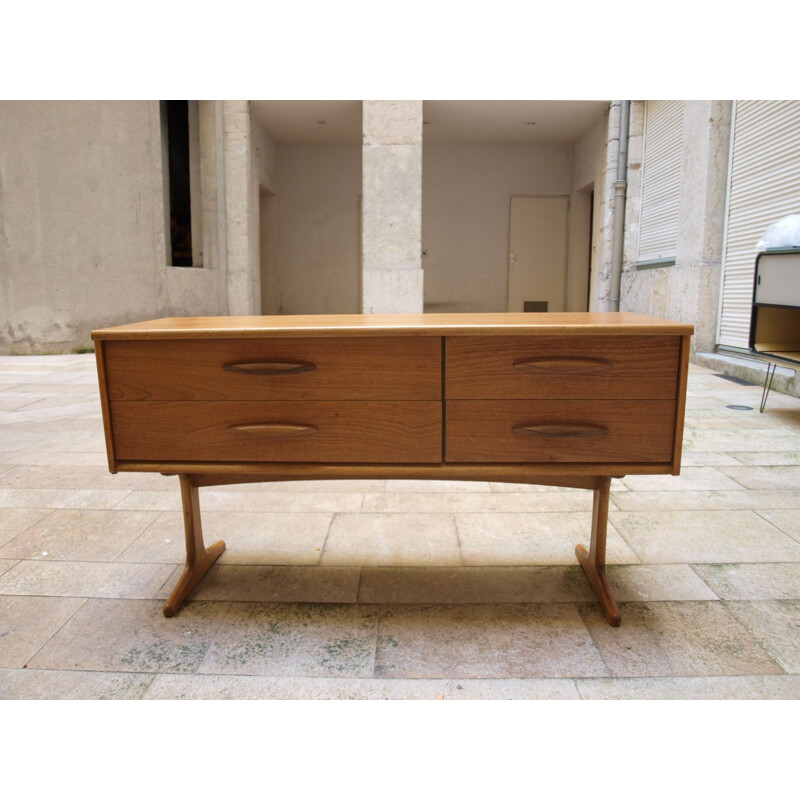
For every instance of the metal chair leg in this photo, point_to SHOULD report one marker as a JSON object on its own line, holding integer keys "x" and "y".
{"x": 767, "y": 385}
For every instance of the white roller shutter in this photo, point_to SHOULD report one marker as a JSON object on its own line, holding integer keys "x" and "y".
{"x": 764, "y": 185}
{"x": 661, "y": 180}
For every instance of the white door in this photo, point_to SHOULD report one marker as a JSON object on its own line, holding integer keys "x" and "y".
{"x": 537, "y": 260}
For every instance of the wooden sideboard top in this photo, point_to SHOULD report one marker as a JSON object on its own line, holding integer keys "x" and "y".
{"x": 507, "y": 324}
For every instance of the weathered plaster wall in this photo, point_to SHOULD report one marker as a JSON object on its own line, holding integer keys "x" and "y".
{"x": 319, "y": 228}
{"x": 82, "y": 240}
{"x": 687, "y": 291}
{"x": 265, "y": 157}
{"x": 465, "y": 215}
{"x": 78, "y": 220}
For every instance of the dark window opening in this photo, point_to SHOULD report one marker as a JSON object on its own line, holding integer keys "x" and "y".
{"x": 180, "y": 206}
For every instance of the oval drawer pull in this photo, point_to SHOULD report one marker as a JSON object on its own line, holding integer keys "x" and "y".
{"x": 275, "y": 430}
{"x": 562, "y": 430}
{"x": 270, "y": 367}
{"x": 563, "y": 365}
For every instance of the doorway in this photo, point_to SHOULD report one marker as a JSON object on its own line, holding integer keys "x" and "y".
{"x": 537, "y": 253}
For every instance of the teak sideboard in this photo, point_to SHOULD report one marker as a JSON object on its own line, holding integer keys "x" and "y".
{"x": 561, "y": 399}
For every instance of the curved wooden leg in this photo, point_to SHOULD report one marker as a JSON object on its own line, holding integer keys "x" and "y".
{"x": 199, "y": 559}
{"x": 593, "y": 560}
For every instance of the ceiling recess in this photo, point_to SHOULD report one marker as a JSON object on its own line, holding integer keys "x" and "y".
{"x": 317, "y": 121}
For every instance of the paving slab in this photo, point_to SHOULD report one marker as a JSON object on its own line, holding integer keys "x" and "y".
{"x": 391, "y": 540}
{"x": 28, "y": 623}
{"x": 37, "y": 684}
{"x": 678, "y": 639}
{"x": 702, "y": 536}
{"x": 533, "y": 539}
{"x": 746, "y": 687}
{"x": 487, "y": 641}
{"x": 313, "y": 639}
{"x": 78, "y": 535}
{"x": 229, "y": 687}
{"x": 131, "y": 636}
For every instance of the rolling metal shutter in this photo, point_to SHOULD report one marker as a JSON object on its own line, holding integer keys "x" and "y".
{"x": 764, "y": 185}
{"x": 661, "y": 180}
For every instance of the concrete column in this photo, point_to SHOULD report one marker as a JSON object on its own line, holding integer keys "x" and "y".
{"x": 694, "y": 293}
{"x": 688, "y": 290}
{"x": 391, "y": 221}
{"x": 601, "y": 289}
{"x": 706, "y": 142}
{"x": 241, "y": 227}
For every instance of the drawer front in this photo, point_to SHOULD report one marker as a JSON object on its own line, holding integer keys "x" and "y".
{"x": 570, "y": 367}
{"x": 560, "y": 431}
{"x": 323, "y": 432}
{"x": 392, "y": 368}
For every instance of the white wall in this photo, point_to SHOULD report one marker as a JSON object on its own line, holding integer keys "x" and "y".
{"x": 319, "y": 228}
{"x": 82, "y": 224}
{"x": 465, "y": 215}
{"x": 265, "y": 198}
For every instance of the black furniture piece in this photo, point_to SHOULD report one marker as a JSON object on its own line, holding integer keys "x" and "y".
{"x": 775, "y": 316}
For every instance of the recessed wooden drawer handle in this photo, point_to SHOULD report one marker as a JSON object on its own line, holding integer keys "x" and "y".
{"x": 270, "y": 367}
{"x": 562, "y": 430}
{"x": 563, "y": 366}
{"x": 275, "y": 430}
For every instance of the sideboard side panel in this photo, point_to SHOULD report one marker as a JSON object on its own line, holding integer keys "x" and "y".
{"x": 102, "y": 376}
{"x": 680, "y": 405}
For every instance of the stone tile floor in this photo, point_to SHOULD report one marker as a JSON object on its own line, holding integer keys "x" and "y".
{"x": 396, "y": 589}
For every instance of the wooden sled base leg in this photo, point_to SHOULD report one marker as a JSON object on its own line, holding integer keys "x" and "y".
{"x": 199, "y": 558}
{"x": 593, "y": 560}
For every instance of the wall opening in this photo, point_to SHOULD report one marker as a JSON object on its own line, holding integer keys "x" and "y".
{"x": 477, "y": 156}
{"x": 310, "y": 230}
{"x": 180, "y": 140}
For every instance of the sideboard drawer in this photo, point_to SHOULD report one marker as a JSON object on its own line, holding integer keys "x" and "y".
{"x": 395, "y": 368}
{"x": 560, "y": 431}
{"x": 302, "y": 431}
{"x": 569, "y": 367}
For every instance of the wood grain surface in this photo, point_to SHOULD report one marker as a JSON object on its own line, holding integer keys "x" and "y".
{"x": 356, "y": 325}
{"x": 603, "y": 367}
{"x": 347, "y": 431}
{"x": 394, "y": 368}
{"x": 483, "y": 430}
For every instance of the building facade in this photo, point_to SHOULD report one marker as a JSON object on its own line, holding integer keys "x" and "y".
{"x": 117, "y": 211}
{"x": 705, "y": 181}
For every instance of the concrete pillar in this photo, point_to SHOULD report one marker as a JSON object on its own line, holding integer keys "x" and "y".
{"x": 391, "y": 221}
{"x": 687, "y": 291}
{"x": 241, "y": 225}
{"x": 605, "y": 200}
{"x": 695, "y": 281}
{"x": 704, "y": 181}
